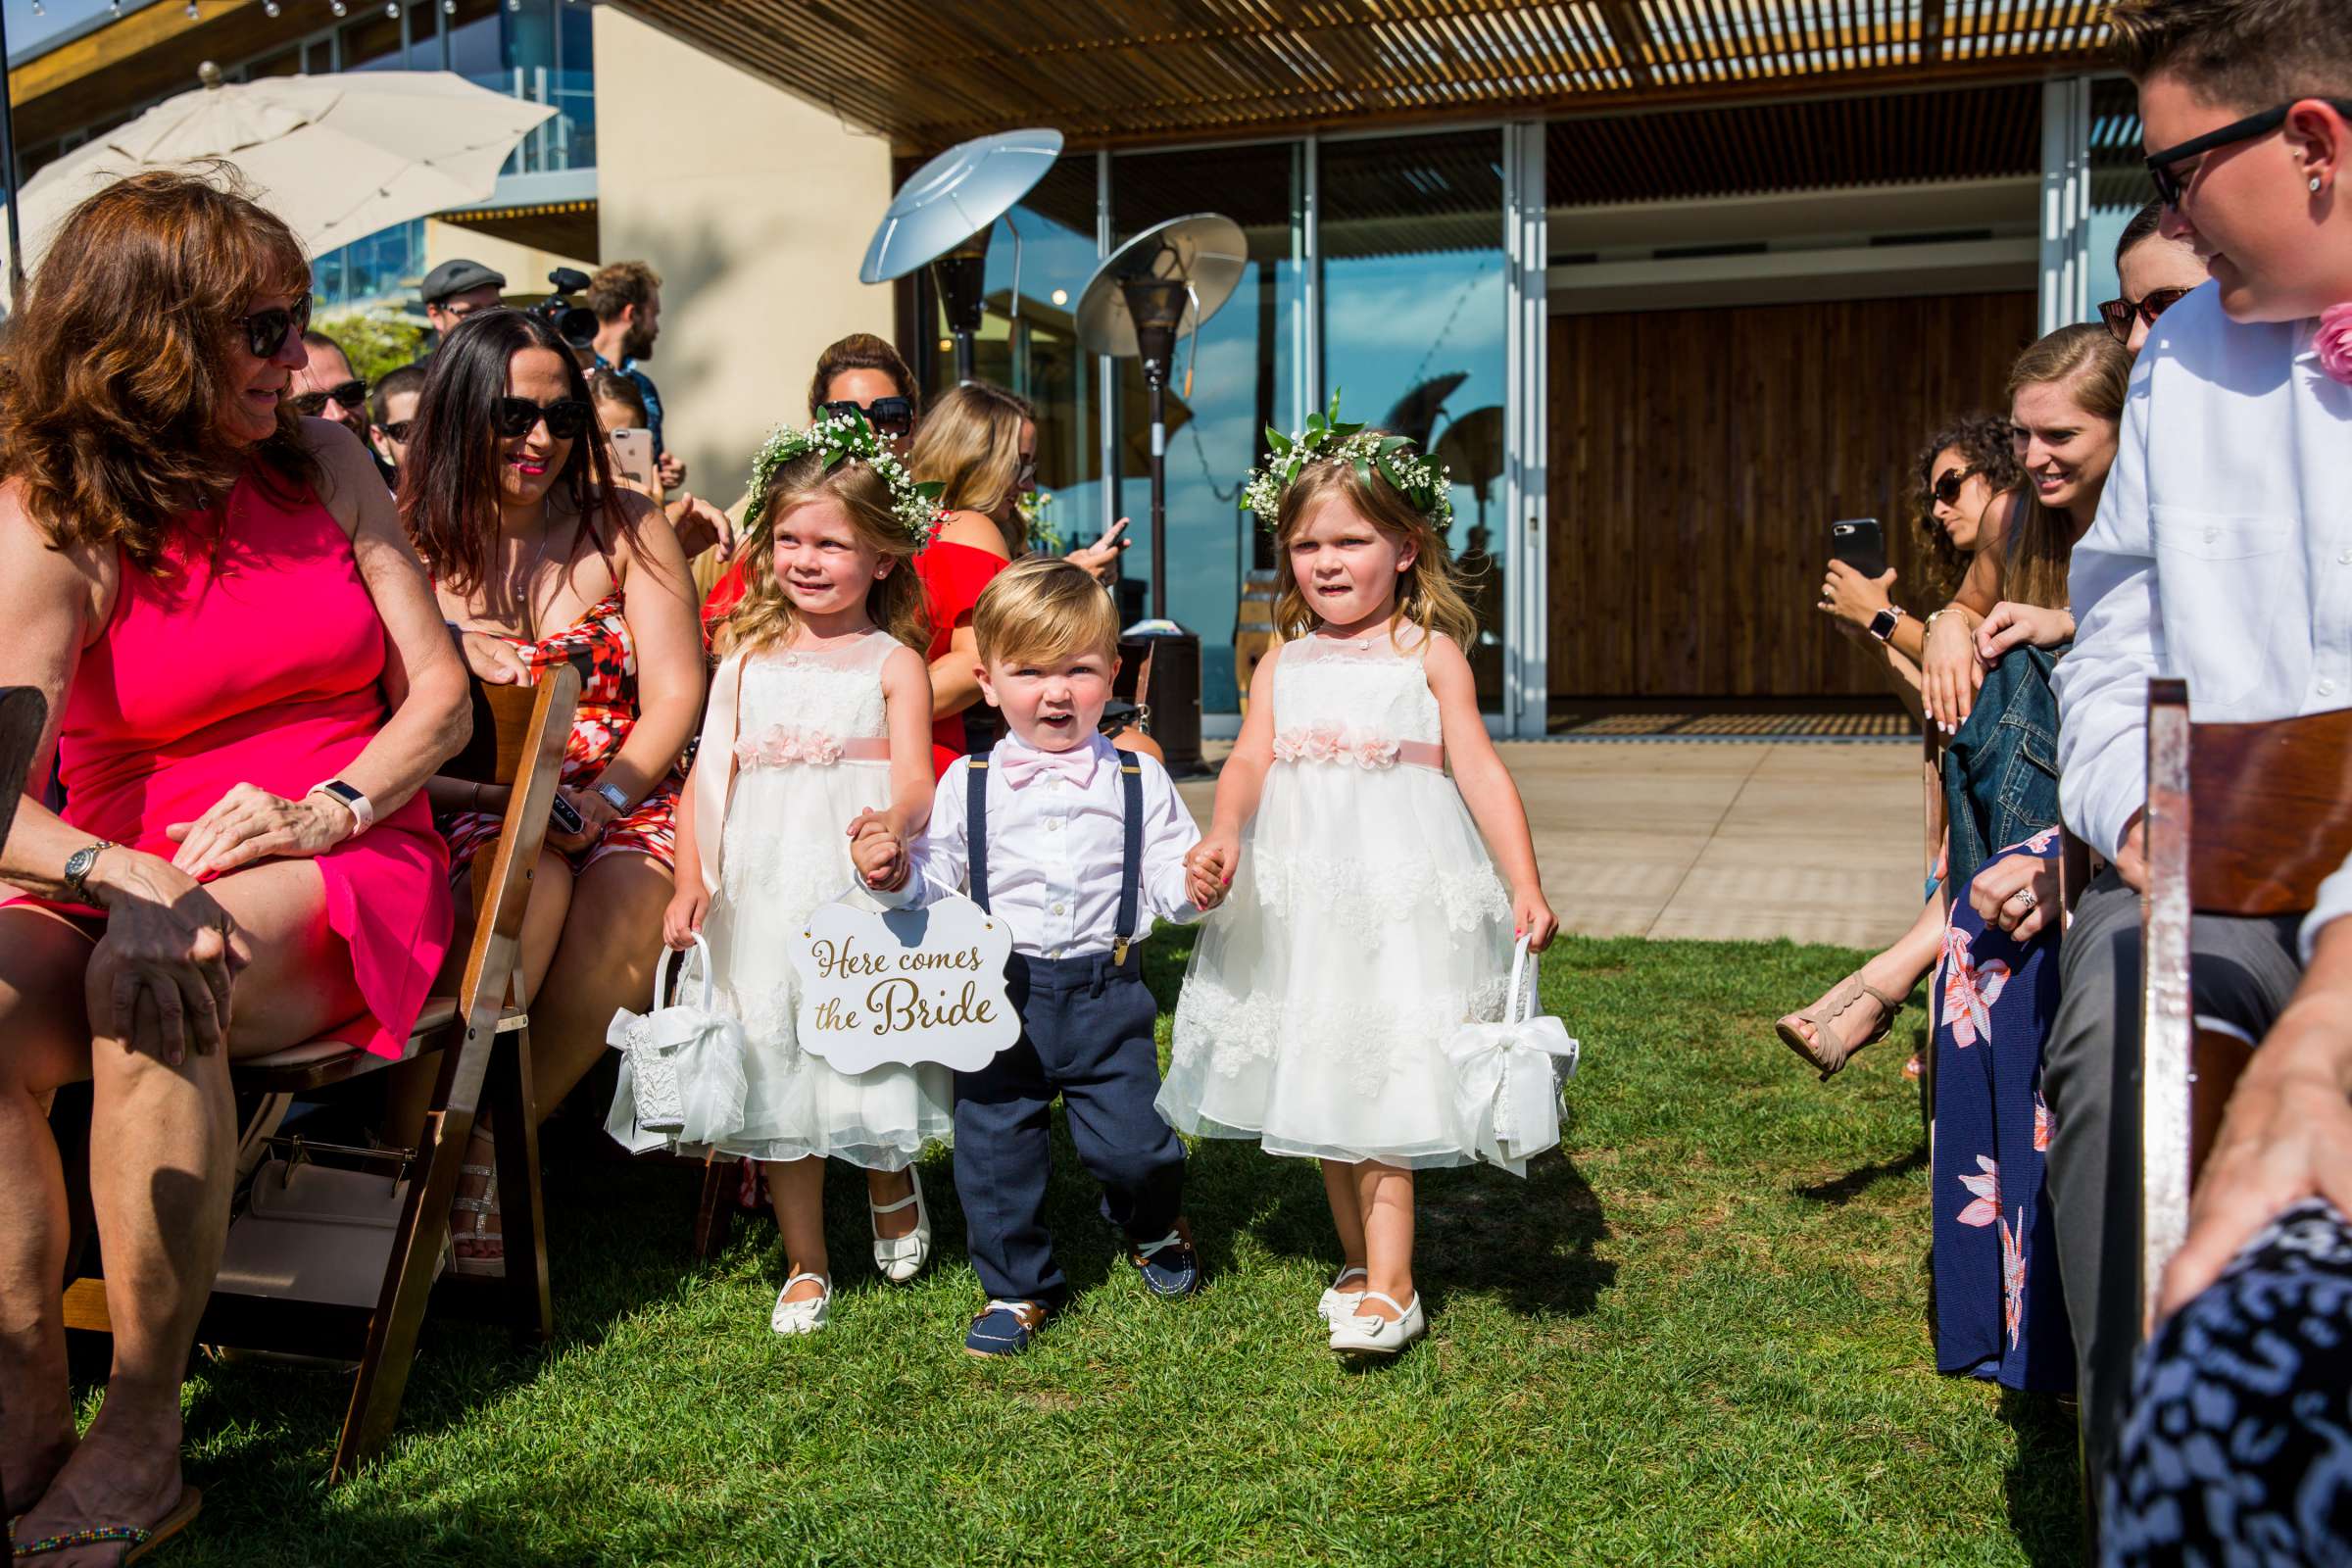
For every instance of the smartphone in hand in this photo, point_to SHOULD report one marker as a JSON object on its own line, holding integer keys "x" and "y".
{"x": 633, "y": 456}
{"x": 1860, "y": 544}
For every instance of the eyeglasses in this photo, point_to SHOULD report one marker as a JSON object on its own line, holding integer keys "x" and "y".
{"x": 888, "y": 415}
{"x": 2118, "y": 314}
{"x": 565, "y": 417}
{"x": 2171, "y": 186}
{"x": 351, "y": 394}
{"x": 266, "y": 330}
{"x": 1946, "y": 487}
{"x": 398, "y": 430}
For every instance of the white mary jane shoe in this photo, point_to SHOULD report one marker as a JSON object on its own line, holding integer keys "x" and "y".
{"x": 900, "y": 1258}
{"x": 1338, "y": 1302}
{"x": 1366, "y": 1337}
{"x": 802, "y": 1317}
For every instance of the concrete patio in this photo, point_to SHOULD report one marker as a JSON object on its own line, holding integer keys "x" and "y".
{"x": 1748, "y": 841}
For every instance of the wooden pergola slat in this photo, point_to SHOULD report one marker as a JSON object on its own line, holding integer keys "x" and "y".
{"x": 1144, "y": 71}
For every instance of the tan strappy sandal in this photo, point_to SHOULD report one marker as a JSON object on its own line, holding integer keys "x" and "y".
{"x": 1828, "y": 1050}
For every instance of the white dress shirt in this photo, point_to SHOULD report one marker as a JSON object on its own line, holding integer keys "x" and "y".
{"x": 2222, "y": 556}
{"x": 1055, "y": 850}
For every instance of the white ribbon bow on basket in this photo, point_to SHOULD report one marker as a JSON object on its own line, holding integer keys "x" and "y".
{"x": 1506, "y": 1086}
{"x": 681, "y": 1066}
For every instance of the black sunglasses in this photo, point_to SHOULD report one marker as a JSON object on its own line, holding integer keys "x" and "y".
{"x": 266, "y": 330}
{"x": 565, "y": 417}
{"x": 2170, "y": 187}
{"x": 888, "y": 415}
{"x": 351, "y": 394}
{"x": 1946, "y": 487}
{"x": 2118, "y": 314}
{"x": 398, "y": 429}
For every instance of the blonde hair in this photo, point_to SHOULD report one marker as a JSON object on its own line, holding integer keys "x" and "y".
{"x": 765, "y": 615}
{"x": 1429, "y": 592}
{"x": 1044, "y": 609}
{"x": 2039, "y": 544}
{"x": 971, "y": 443}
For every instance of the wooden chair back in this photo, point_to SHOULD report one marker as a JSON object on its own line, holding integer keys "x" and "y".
{"x": 24, "y": 714}
{"x": 2242, "y": 819}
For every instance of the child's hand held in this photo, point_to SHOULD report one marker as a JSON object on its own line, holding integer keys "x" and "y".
{"x": 1532, "y": 918}
{"x": 684, "y": 917}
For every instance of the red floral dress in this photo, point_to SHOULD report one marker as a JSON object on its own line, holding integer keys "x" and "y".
{"x": 599, "y": 645}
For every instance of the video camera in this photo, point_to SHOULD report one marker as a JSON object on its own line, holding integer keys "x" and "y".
{"x": 573, "y": 321}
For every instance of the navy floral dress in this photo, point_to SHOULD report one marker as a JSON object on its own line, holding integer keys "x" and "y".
{"x": 1999, "y": 1311}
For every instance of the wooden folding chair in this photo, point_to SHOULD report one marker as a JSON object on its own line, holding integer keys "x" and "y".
{"x": 24, "y": 712}
{"x": 2242, "y": 819}
{"x": 483, "y": 1041}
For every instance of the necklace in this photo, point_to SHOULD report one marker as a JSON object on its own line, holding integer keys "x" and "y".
{"x": 530, "y": 607}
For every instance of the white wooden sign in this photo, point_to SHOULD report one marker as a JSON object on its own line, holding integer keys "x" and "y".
{"x": 905, "y": 984}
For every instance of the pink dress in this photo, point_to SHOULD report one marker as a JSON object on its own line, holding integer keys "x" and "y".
{"x": 253, "y": 655}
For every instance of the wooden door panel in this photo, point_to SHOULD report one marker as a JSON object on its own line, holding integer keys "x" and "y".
{"x": 1697, "y": 458}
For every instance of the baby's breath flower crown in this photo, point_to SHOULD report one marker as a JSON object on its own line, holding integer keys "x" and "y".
{"x": 1426, "y": 486}
{"x": 847, "y": 438}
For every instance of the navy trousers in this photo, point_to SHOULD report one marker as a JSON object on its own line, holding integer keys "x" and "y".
{"x": 1086, "y": 1035}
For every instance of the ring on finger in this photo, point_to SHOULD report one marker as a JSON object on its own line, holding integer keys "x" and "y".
{"x": 2025, "y": 897}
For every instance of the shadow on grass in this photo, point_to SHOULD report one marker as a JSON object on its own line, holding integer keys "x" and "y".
{"x": 1842, "y": 1190}
{"x": 2044, "y": 1484}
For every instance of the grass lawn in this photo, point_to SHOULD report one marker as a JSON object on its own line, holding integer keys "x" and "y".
{"x": 1699, "y": 1337}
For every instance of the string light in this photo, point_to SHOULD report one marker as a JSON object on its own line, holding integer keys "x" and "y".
{"x": 340, "y": 9}
{"x": 193, "y": 12}
{"x": 270, "y": 8}
{"x": 38, "y": 9}
{"x": 391, "y": 10}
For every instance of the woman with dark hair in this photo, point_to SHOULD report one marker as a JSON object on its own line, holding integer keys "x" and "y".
{"x": 1967, "y": 476}
{"x": 537, "y": 559}
{"x": 248, "y": 688}
{"x": 1970, "y": 485}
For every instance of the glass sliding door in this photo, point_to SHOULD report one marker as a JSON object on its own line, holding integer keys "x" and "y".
{"x": 1415, "y": 322}
{"x": 1245, "y": 373}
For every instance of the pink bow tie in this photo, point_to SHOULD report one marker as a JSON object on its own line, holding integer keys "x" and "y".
{"x": 1023, "y": 766}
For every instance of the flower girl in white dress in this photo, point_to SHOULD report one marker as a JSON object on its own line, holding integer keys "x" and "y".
{"x": 1366, "y": 921}
{"x": 820, "y": 710}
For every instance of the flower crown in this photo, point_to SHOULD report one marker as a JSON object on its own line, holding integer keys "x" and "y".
{"x": 847, "y": 438}
{"x": 1426, "y": 486}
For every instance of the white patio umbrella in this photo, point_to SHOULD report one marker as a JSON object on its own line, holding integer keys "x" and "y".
{"x": 337, "y": 156}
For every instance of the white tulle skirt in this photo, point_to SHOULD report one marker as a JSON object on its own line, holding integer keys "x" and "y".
{"x": 1365, "y": 923}
{"x": 784, "y": 853}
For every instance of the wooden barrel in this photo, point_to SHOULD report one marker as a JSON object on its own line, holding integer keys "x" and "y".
{"x": 1254, "y": 633}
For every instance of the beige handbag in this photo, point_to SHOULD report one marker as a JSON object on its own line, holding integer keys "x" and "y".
{"x": 313, "y": 1232}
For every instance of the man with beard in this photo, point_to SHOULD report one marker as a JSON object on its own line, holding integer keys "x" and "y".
{"x": 626, "y": 297}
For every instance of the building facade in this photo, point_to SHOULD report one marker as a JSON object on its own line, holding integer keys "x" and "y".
{"x": 1668, "y": 284}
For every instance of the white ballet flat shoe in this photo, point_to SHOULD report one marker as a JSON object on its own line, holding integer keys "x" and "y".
{"x": 1338, "y": 1301}
{"x": 1366, "y": 1337}
{"x": 900, "y": 1258}
{"x": 802, "y": 1317}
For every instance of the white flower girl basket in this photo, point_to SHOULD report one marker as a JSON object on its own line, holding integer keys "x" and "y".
{"x": 681, "y": 1066}
{"x": 1506, "y": 1084}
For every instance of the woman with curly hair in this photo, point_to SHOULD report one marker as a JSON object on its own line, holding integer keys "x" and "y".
{"x": 1968, "y": 483}
{"x": 248, "y": 686}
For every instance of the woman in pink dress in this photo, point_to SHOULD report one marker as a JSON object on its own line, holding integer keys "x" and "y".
{"x": 248, "y": 686}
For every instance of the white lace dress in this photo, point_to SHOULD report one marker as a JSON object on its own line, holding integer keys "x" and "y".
{"x": 1364, "y": 923}
{"x": 785, "y": 852}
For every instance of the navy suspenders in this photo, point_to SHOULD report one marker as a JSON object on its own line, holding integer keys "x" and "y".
{"x": 1131, "y": 860}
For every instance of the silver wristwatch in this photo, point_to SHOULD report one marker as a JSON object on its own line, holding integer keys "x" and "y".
{"x": 611, "y": 793}
{"x": 79, "y": 867}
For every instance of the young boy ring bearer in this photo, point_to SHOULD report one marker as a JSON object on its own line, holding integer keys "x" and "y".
{"x": 1077, "y": 847}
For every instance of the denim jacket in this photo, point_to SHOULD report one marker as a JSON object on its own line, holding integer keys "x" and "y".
{"x": 2000, "y": 772}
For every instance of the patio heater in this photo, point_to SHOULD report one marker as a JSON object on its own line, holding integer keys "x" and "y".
{"x": 1161, "y": 284}
{"x": 945, "y": 215}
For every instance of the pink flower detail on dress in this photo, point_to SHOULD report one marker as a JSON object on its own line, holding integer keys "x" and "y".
{"x": 2334, "y": 342}
{"x": 2039, "y": 842}
{"x": 2041, "y": 1124}
{"x": 1326, "y": 743}
{"x": 1985, "y": 1208}
{"x": 786, "y": 747}
{"x": 2013, "y": 1278}
{"x": 1970, "y": 990}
